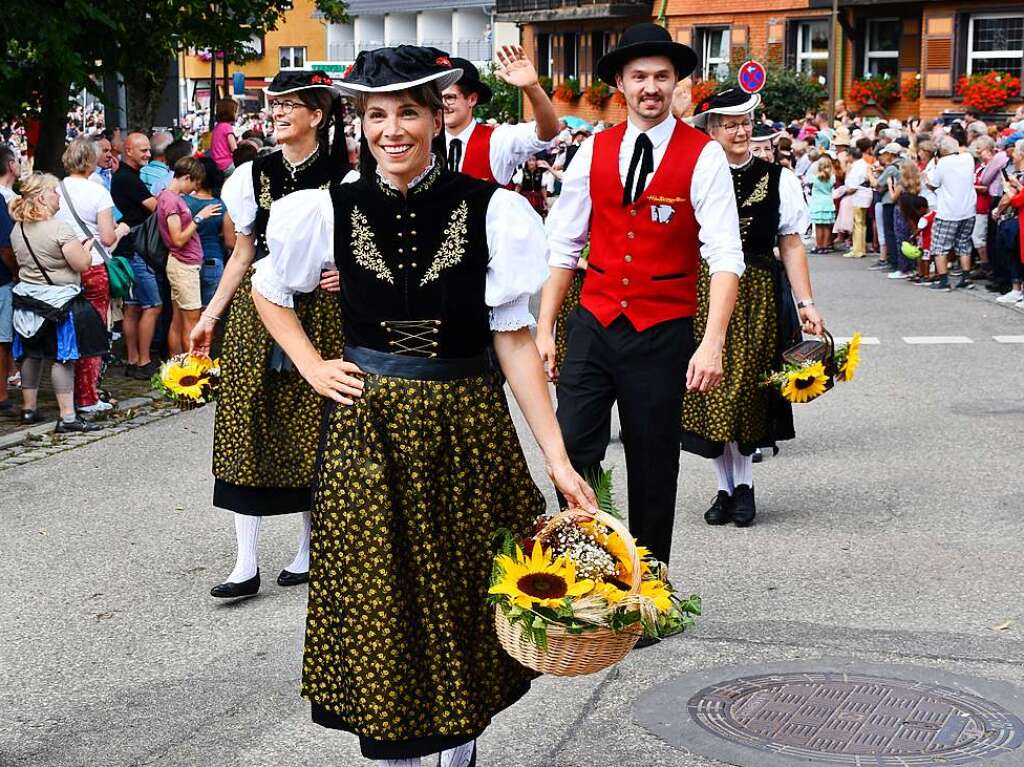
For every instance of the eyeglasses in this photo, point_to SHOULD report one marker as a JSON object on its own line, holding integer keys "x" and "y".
{"x": 747, "y": 125}
{"x": 450, "y": 98}
{"x": 286, "y": 107}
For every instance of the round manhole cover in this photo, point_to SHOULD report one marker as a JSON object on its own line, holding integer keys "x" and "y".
{"x": 856, "y": 719}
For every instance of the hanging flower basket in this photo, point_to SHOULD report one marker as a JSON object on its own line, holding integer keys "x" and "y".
{"x": 568, "y": 89}
{"x": 881, "y": 91}
{"x": 597, "y": 93}
{"x": 988, "y": 92}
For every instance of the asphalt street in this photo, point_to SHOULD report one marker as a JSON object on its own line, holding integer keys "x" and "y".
{"x": 889, "y": 531}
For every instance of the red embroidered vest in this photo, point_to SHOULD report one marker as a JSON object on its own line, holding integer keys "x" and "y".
{"x": 643, "y": 256}
{"x": 477, "y": 160}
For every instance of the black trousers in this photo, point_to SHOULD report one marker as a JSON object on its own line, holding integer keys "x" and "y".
{"x": 645, "y": 374}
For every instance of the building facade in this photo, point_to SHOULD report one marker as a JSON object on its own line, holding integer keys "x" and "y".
{"x": 926, "y": 44}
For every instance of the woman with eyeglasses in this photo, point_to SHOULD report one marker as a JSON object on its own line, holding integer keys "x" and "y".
{"x": 267, "y": 421}
{"x": 729, "y": 423}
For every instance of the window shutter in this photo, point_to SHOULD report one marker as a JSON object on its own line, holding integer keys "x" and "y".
{"x": 739, "y": 43}
{"x": 684, "y": 35}
{"x": 938, "y": 55}
{"x": 776, "y": 48}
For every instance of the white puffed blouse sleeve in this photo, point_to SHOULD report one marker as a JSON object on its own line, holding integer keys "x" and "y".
{"x": 518, "y": 263}
{"x": 300, "y": 238}
{"x": 240, "y": 198}
{"x": 794, "y": 215}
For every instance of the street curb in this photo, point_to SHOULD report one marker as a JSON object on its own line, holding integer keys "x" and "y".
{"x": 23, "y": 435}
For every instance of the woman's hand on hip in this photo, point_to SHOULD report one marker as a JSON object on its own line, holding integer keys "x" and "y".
{"x": 336, "y": 379}
{"x": 571, "y": 485}
{"x": 330, "y": 281}
{"x": 811, "y": 321}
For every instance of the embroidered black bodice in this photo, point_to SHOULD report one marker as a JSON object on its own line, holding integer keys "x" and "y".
{"x": 533, "y": 180}
{"x": 757, "y": 197}
{"x": 273, "y": 177}
{"x": 414, "y": 268}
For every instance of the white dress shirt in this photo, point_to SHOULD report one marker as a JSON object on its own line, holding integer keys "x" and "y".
{"x": 711, "y": 195}
{"x": 300, "y": 238}
{"x": 953, "y": 180}
{"x": 511, "y": 146}
{"x": 794, "y": 215}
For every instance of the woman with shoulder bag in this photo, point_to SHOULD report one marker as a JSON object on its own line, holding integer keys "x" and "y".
{"x": 53, "y": 321}
{"x": 87, "y": 208}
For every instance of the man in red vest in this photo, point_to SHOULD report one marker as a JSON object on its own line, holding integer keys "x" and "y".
{"x": 651, "y": 196}
{"x": 494, "y": 152}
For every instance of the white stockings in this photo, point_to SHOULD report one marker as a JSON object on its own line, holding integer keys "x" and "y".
{"x": 247, "y": 534}
{"x": 732, "y": 468}
{"x": 301, "y": 562}
{"x": 460, "y": 756}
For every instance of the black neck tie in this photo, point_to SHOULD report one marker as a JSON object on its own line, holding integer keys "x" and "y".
{"x": 643, "y": 158}
{"x": 455, "y": 155}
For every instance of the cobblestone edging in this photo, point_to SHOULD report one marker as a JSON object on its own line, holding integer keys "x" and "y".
{"x": 38, "y": 442}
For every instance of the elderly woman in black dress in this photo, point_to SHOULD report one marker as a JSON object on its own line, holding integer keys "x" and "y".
{"x": 419, "y": 462}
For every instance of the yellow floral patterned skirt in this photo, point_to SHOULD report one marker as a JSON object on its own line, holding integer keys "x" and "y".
{"x": 267, "y": 423}
{"x": 414, "y": 480}
{"x": 739, "y": 409}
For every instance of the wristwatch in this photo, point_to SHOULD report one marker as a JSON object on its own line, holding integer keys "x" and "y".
{"x": 805, "y": 303}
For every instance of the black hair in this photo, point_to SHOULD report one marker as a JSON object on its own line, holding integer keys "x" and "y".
{"x": 176, "y": 150}
{"x": 214, "y": 178}
{"x": 330, "y": 105}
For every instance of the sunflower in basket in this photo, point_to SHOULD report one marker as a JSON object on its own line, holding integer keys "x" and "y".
{"x": 582, "y": 574}
{"x": 187, "y": 379}
{"x": 848, "y": 359}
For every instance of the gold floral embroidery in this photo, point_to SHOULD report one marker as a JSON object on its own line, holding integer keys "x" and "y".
{"x": 265, "y": 200}
{"x": 453, "y": 246}
{"x": 760, "y": 193}
{"x": 365, "y": 249}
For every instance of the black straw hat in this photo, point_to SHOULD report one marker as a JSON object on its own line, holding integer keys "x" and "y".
{"x": 291, "y": 80}
{"x": 764, "y": 132}
{"x": 731, "y": 101}
{"x": 645, "y": 40}
{"x": 470, "y": 81}
{"x": 386, "y": 70}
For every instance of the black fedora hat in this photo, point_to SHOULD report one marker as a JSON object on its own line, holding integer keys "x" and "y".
{"x": 470, "y": 81}
{"x": 645, "y": 39}
{"x": 386, "y": 70}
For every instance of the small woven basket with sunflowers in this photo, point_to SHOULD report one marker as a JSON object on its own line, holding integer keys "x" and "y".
{"x": 811, "y": 368}
{"x": 189, "y": 380}
{"x": 577, "y": 595}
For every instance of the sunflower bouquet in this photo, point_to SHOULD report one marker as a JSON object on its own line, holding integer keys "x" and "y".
{"x": 188, "y": 379}
{"x": 575, "y": 596}
{"x": 805, "y": 380}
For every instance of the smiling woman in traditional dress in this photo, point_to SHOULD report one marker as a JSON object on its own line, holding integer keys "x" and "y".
{"x": 419, "y": 462}
{"x": 267, "y": 420}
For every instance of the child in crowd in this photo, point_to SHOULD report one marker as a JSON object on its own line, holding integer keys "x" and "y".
{"x": 823, "y": 206}
{"x": 905, "y": 193}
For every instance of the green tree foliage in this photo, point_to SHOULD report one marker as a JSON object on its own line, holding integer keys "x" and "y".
{"x": 51, "y": 45}
{"x": 505, "y": 104}
{"x": 787, "y": 94}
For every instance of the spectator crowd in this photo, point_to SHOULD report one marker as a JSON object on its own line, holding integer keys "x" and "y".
{"x": 933, "y": 203}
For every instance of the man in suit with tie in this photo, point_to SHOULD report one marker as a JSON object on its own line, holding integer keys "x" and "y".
{"x": 651, "y": 196}
{"x": 494, "y": 152}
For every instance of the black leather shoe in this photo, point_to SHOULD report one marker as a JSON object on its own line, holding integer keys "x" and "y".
{"x": 720, "y": 512}
{"x": 743, "y": 510}
{"x": 646, "y": 642}
{"x": 288, "y": 578}
{"x": 29, "y": 417}
{"x": 78, "y": 425}
{"x": 235, "y": 590}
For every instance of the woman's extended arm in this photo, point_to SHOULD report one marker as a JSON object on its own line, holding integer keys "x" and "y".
{"x": 522, "y": 367}
{"x": 237, "y": 266}
{"x": 794, "y": 259}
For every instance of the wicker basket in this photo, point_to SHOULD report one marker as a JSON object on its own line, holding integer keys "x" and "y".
{"x": 574, "y": 654}
{"x": 187, "y": 403}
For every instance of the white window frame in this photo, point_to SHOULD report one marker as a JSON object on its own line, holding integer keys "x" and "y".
{"x": 1014, "y": 55}
{"x": 710, "y": 63}
{"x": 870, "y": 54}
{"x": 801, "y": 54}
{"x": 291, "y": 55}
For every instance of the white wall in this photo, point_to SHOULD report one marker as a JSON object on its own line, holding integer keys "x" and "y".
{"x": 471, "y": 34}
{"x": 341, "y": 42}
{"x": 369, "y": 32}
{"x": 400, "y": 29}
{"x": 434, "y": 28}
{"x": 505, "y": 33}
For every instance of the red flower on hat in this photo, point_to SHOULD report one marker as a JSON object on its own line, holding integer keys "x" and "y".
{"x": 443, "y": 61}
{"x": 319, "y": 78}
